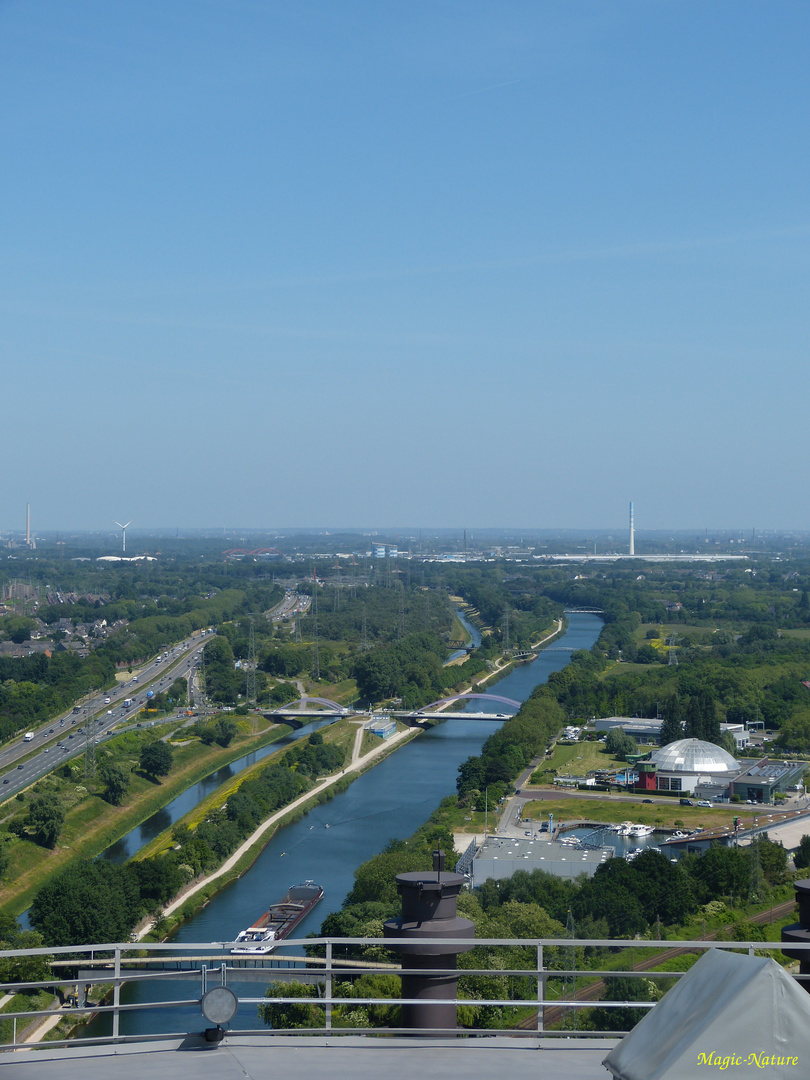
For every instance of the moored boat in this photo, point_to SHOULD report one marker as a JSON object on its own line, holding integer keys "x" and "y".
{"x": 641, "y": 830}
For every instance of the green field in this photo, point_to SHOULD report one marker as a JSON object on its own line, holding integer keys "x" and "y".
{"x": 666, "y": 812}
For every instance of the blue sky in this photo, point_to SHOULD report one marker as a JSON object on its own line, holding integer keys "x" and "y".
{"x": 393, "y": 264}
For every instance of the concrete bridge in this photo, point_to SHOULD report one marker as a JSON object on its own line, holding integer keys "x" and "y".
{"x": 297, "y": 711}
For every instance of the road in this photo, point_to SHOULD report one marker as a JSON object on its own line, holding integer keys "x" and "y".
{"x": 65, "y": 736}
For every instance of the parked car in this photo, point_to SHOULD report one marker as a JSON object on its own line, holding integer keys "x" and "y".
{"x": 704, "y": 802}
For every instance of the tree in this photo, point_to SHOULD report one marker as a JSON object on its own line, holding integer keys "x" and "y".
{"x": 21, "y": 968}
{"x": 116, "y": 782}
{"x": 672, "y": 727}
{"x": 728, "y": 743}
{"x": 619, "y": 743}
{"x": 88, "y": 901}
{"x": 156, "y": 759}
{"x": 46, "y": 817}
{"x": 280, "y": 1016}
{"x": 801, "y": 859}
{"x": 17, "y": 628}
{"x": 225, "y": 729}
{"x": 623, "y": 988}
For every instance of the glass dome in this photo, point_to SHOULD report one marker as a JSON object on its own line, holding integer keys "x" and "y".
{"x": 694, "y": 756}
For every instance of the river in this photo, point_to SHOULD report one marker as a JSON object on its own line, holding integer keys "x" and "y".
{"x": 388, "y": 802}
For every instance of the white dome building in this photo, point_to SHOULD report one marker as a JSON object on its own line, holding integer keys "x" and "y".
{"x": 688, "y": 764}
{"x": 694, "y": 756}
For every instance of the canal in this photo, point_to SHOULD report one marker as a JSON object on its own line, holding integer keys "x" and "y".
{"x": 388, "y": 802}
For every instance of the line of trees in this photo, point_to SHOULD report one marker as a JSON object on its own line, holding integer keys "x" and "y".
{"x": 100, "y": 901}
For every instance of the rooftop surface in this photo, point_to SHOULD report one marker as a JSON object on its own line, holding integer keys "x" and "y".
{"x": 262, "y": 1057}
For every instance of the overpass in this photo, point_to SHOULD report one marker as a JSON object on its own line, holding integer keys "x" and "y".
{"x": 297, "y": 710}
{"x": 452, "y": 716}
{"x": 445, "y": 714}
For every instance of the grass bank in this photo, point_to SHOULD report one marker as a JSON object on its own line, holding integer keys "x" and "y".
{"x": 92, "y": 825}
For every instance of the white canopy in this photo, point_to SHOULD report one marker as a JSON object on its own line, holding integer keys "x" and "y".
{"x": 734, "y": 1015}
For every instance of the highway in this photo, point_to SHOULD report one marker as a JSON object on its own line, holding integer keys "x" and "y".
{"x": 65, "y": 736}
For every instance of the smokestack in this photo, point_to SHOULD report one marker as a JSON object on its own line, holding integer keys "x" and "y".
{"x": 632, "y": 533}
{"x": 28, "y": 524}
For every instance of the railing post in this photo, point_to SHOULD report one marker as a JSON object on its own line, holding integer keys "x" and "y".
{"x": 541, "y": 989}
{"x": 116, "y": 992}
{"x": 328, "y": 985}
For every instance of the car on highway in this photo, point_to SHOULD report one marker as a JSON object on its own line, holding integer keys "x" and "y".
{"x": 19, "y": 766}
{"x": 704, "y": 802}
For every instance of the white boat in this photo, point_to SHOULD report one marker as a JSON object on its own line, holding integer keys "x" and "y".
{"x": 641, "y": 830}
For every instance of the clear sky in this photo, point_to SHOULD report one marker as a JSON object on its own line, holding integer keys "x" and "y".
{"x": 352, "y": 263}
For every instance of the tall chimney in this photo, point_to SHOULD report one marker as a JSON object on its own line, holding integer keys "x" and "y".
{"x": 28, "y": 524}
{"x": 632, "y": 533}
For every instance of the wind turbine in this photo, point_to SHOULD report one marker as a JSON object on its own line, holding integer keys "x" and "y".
{"x": 123, "y": 529}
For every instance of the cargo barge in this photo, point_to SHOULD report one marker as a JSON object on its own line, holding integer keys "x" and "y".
{"x": 278, "y": 921}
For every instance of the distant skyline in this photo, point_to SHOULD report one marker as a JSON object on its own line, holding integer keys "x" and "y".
{"x": 270, "y": 265}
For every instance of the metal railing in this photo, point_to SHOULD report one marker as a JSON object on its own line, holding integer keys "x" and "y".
{"x": 107, "y": 967}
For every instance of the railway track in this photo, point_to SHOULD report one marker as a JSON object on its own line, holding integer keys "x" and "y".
{"x": 594, "y": 991}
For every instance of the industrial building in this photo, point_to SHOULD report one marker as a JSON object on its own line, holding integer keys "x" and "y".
{"x": 499, "y": 857}
{"x": 648, "y": 732}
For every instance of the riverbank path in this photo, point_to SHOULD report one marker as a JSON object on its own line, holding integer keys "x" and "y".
{"x": 355, "y": 765}
{"x": 503, "y": 662}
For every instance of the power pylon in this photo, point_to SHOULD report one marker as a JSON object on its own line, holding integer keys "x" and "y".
{"x": 570, "y": 1015}
{"x": 673, "y": 653}
{"x": 201, "y": 676}
{"x": 755, "y": 885}
{"x": 364, "y": 645}
{"x": 90, "y": 749}
{"x": 316, "y": 660}
{"x": 250, "y": 672}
